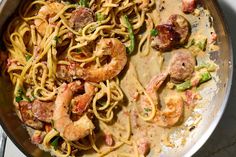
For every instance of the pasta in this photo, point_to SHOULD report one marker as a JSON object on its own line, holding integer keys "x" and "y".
{"x": 68, "y": 61}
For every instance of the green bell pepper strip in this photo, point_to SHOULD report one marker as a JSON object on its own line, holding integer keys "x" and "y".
{"x": 205, "y": 77}
{"x": 184, "y": 86}
{"x": 131, "y": 35}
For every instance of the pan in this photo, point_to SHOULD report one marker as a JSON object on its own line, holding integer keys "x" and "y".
{"x": 210, "y": 117}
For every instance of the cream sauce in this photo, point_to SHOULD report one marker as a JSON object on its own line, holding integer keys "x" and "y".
{"x": 143, "y": 68}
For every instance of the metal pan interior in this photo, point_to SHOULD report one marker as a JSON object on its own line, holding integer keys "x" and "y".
{"x": 211, "y": 116}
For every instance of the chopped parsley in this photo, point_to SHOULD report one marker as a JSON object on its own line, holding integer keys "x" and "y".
{"x": 56, "y": 38}
{"x": 27, "y": 57}
{"x": 55, "y": 142}
{"x": 154, "y": 32}
{"x": 147, "y": 109}
{"x": 19, "y": 98}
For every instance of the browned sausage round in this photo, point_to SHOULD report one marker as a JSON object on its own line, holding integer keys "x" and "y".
{"x": 166, "y": 39}
{"x": 28, "y": 117}
{"x": 81, "y": 17}
{"x": 181, "y": 26}
{"x": 174, "y": 33}
{"x": 43, "y": 110}
{"x": 181, "y": 65}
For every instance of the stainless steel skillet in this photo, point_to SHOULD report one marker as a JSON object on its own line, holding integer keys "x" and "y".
{"x": 211, "y": 116}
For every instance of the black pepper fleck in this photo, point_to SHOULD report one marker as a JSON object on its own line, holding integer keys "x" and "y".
{"x": 192, "y": 128}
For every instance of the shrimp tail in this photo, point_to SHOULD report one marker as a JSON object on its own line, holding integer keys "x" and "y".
{"x": 79, "y": 129}
{"x": 174, "y": 104}
{"x": 106, "y": 47}
{"x": 172, "y": 113}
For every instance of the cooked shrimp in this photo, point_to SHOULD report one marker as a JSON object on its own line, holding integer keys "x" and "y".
{"x": 68, "y": 129}
{"x": 46, "y": 12}
{"x": 154, "y": 85}
{"x": 82, "y": 101}
{"x": 172, "y": 112}
{"x": 174, "y": 104}
{"x": 106, "y": 47}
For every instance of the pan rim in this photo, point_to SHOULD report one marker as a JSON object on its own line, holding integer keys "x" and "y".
{"x": 219, "y": 114}
{"x": 203, "y": 139}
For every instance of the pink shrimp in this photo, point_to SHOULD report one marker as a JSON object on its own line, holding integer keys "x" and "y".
{"x": 111, "y": 47}
{"x": 82, "y": 101}
{"x": 46, "y": 12}
{"x": 68, "y": 129}
{"x": 174, "y": 104}
{"x": 172, "y": 112}
{"x": 105, "y": 47}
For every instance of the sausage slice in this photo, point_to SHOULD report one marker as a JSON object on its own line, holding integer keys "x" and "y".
{"x": 181, "y": 26}
{"x": 28, "y": 116}
{"x": 173, "y": 34}
{"x": 166, "y": 39}
{"x": 43, "y": 110}
{"x": 181, "y": 65}
{"x": 81, "y": 17}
